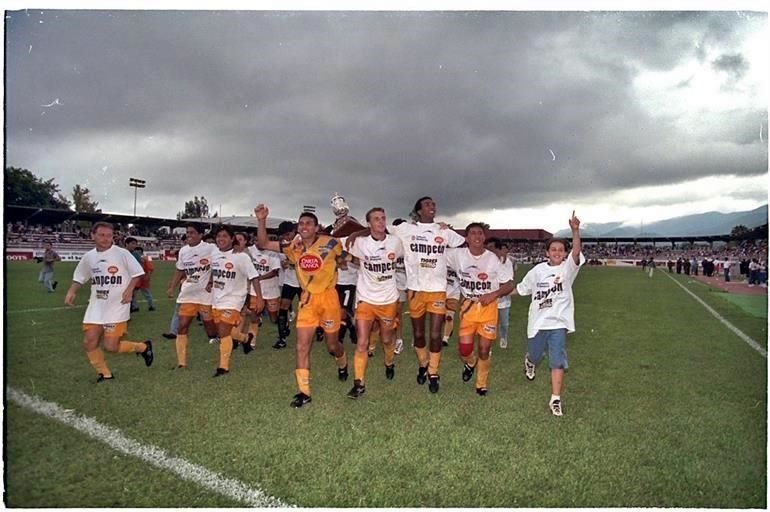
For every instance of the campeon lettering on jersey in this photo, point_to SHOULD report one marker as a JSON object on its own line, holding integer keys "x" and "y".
{"x": 377, "y": 276}
{"x": 478, "y": 275}
{"x": 264, "y": 262}
{"x": 109, "y": 272}
{"x": 230, "y": 274}
{"x": 425, "y": 254}
{"x": 195, "y": 262}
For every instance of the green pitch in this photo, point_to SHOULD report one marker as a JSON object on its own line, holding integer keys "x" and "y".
{"x": 664, "y": 407}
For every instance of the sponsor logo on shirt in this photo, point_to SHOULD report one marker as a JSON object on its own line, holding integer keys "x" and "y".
{"x": 310, "y": 263}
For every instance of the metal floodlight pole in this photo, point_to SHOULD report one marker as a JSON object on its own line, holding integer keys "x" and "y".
{"x": 136, "y": 183}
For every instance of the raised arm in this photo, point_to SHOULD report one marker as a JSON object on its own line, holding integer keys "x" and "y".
{"x": 263, "y": 242}
{"x": 574, "y": 225}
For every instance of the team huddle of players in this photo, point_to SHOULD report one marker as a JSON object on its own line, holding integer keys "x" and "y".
{"x": 383, "y": 267}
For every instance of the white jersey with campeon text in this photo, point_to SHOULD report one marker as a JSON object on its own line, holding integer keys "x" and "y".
{"x": 377, "y": 276}
{"x": 425, "y": 254}
{"x": 552, "y": 305}
{"x": 230, "y": 274}
{"x": 478, "y": 275}
{"x": 195, "y": 262}
{"x": 109, "y": 272}
{"x": 266, "y": 261}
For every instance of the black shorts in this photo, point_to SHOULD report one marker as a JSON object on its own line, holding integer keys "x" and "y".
{"x": 288, "y": 292}
{"x": 347, "y": 295}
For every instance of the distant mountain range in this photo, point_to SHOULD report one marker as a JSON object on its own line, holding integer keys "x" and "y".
{"x": 710, "y": 223}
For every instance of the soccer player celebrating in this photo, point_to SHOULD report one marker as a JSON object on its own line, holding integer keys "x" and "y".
{"x": 193, "y": 270}
{"x": 268, "y": 265}
{"x": 377, "y": 295}
{"x": 113, "y": 273}
{"x": 425, "y": 243}
{"x": 552, "y": 310}
{"x": 315, "y": 257}
{"x": 483, "y": 279}
{"x": 232, "y": 274}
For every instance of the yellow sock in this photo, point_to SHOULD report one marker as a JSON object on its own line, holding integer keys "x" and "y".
{"x": 96, "y": 358}
{"x": 181, "y": 349}
{"x": 435, "y": 360}
{"x": 422, "y": 355}
{"x": 360, "y": 359}
{"x": 303, "y": 380}
{"x": 225, "y": 349}
{"x": 131, "y": 346}
{"x": 342, "y": 360}
{"x": 390, "y": 353}
{"x": 236, "y": 333}
{"x": 482, "y": 372}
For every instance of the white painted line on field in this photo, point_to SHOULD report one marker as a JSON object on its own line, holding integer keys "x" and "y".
{"x": 750, "y": 342}
{"x": 112, "y": 437}
{"x": 60, "y": 308}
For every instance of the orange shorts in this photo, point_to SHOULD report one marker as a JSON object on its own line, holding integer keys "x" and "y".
{"x": 110, "y": 330}
{"x": 387, "y": 314}
{"x": 320, "y": 309}
{"x": 478, "y": 319}
{"x": 432, "y": 302}
{"x": 189, "y": 309}
{"x": 226, "y": 316}
{"x": 270, "y": 304}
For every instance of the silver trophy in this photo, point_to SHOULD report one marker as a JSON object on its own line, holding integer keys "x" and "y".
{"x": 344, "y": 224}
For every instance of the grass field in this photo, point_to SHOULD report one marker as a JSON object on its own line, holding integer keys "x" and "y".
{"x": 664, "y": 407}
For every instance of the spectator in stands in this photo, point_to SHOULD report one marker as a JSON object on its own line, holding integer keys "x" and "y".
{"x": 46, "y": 273}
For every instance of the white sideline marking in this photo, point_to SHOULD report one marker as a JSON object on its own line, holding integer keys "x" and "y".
{"x": 76, "y": 306}
{"x": 750, "y": 342}
{"x": 112, "y": 437}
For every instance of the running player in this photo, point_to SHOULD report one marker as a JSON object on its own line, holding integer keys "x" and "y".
{"x": 377, "y": 295}
{"x": 268, "y": 265}
{"x": 315, "y": 257}
{"x": 113, "y": 273}
{"x": 232, "y": 274}
{"x": 193, "y": 270}
{"x": 483, "y": 279}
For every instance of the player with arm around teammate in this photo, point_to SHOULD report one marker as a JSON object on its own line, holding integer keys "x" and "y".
{"x": 483, "y": 279}
{"x": 315, "y": 257}
{"x": 552, "y": 310}
{"x": 377, "y": 298}
{"x": 113, "y": 273}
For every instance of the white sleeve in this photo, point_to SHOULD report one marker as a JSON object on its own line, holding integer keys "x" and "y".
{"x": 354, "y": 249}
{"x": 247, "y": 266}
{"x": 505, "y": 272}
{"x": 455, "y": 239}
{"x": 527, "y": 285}
{"x": 82, "y": 270}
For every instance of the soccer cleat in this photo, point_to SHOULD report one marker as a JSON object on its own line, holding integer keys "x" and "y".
{"x": 468, "y": 372}
{"x": 247, "y": 346}
{"x": 279, "y": 344}
{"x": 213, "y": 341}
{"x": 169, "y": 335}
{"x": 357, "y": 390}
{"x": 220, "y": 372}
{"x": 300, "y": 399}
{"x": 54, "y": 284}
{"x": 370, "y": 353}
{"x": 342, "y": 373}
{"x": 390, "y": 371}
{"x": 291, "y": 316}
{"x": 179, "y": 367}
{"x": 555, "y": 406}
{"x": 148, "y": 355}
{"x": 444, "y": 343}
{"x": 399, "y": 346}
{"x": 481, "y": 391}
{"x": 503, "y": 343}
{"x": 236, "y": 344}
{"x": 433, "y": 383}
{"x": 529, "y": 368}
{"x": 422, "y": 375}
{"x": 102, "y": 378}
{"x": 151, "y": 308}
{"x": 134, "y": 310}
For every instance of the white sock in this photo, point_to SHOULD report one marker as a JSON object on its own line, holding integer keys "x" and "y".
{"x": 554, "y": 397}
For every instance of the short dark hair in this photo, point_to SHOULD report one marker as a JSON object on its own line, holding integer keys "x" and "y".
{"x": 309, "y": 216}
{"x": 197, "y": 227}
{"x": 129, "y": 240}
{"x": 418, "y": 204}
{"x": 552, "y": 241}
{"x": 398, "y": 221}
{"x": 101, "y": 224}
{"x": 223, "y": 227}
{"x": 139, "y": 249}
{"x": 286, "y": 226}
{"x": 479, "y": 225}
{"x": 372, "y": 210}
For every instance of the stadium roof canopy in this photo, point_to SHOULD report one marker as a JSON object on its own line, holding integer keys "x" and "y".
{"x": 50, "y": 216}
